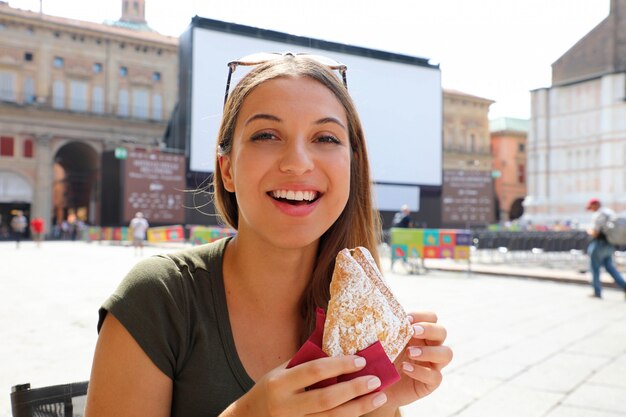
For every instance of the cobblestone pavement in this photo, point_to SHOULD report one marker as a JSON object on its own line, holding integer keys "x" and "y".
{"x": 522, "y": 347}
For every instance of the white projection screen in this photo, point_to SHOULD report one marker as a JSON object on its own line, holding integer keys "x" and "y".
{"x": 399, "y": 103}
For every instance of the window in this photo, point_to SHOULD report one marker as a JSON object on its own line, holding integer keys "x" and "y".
{"x": 521, "y": 147}
{"x": 521, "y": 173}
{"x": 140, "y": 103}
{"x": 58, "y": 95}
{"x": 472, "y": 143}
{"x": 28, "y": 56}
{"x": 7, "y": 86}
{"x": 97, "y": 68}
{"x": 28, "y": 148}
{"x": 157, "y": 107}
{"x": 122, "y": 103}
{"x": 97, "y": 100}
{"x": 29, "y": 90}
{"x": 123, "y": 71}
{"x": 6, "y": 146}
{"x": 78, "y": 95}
{"x": 156, "y": 76}
{"x": 58, "y": 62}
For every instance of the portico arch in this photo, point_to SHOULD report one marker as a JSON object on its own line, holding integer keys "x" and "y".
{"x": 16, "y": 193}
{"x": 76, "y": 182}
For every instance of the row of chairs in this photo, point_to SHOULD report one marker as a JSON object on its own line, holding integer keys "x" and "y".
{"x": 527, "y": 241}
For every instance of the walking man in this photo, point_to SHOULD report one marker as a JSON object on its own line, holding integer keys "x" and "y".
{"x": 18, "y": 225}
{"x": 600, "y": 250}
{"x": 139, "y": 226}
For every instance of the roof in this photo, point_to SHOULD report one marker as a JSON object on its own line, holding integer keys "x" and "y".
{"x": 452, "y": 92}
{"x": 509, "y": 124}
{"x": 100, "y": 28}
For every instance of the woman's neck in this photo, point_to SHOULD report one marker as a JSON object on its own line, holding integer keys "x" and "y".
{"x": 258, "y": 273}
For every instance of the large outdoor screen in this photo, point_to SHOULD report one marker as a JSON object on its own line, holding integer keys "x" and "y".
{"x": 399, "y": 103}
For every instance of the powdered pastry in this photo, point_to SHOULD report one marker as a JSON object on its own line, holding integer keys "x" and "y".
{"x": 362, "y": 309}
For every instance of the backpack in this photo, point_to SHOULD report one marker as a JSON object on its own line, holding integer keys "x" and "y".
{"x": 615, "y": 229}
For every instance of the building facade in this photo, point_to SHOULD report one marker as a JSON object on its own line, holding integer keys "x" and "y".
{"x": 577, "y": 134}
{"x": 508, "y": 148}
{"x": 69, "y": 91}
{"x": 467, "y": 192}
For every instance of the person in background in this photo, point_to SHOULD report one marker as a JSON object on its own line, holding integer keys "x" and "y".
{"x": 403, "y": 217}
{"x": 139, "y": 226}
{"x": 600, "y": 250}
{"x": 37, "y": 229}
{"x": 209, "y": 331}
{"x": 18, "y": 226}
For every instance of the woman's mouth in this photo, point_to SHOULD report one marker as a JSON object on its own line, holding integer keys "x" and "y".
{"x": 295, "y": 198}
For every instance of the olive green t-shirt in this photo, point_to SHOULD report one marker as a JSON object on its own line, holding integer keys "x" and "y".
{"x": 174, "y": 306}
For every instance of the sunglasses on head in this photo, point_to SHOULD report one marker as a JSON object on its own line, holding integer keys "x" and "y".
{"x": 263, "y": 57}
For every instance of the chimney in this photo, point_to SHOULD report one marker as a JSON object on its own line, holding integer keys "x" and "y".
{"x": 133, "y": 11}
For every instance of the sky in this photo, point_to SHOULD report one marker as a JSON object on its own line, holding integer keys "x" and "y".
{"x": 496, "y": 49}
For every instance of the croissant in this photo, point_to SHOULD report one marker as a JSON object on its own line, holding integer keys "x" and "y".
{"x": 362, "y": 309}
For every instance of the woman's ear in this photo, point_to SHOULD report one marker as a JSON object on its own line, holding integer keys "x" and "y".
{"x": 227, "y": 174}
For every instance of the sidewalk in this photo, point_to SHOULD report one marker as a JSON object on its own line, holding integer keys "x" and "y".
{"x": 522, "y": 347}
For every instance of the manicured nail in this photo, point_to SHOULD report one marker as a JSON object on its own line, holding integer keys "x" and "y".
{"x": 373, "y": 383}
{"x": 408, "y": 367}
{"x": 410, "y": 319}
{"x": 417, "y": 330}
{"x": 359, "y": 362}
{"x": 414, "y": 351}
{"x": 379, "y": 400}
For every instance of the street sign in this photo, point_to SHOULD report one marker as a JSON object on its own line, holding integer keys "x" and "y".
{"x": 121, "y": 153}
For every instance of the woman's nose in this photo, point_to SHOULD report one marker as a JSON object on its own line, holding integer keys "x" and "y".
{"x": 297, "y": 158}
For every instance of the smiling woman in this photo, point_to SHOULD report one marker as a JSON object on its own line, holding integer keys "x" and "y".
{"x": 209, "y": 331}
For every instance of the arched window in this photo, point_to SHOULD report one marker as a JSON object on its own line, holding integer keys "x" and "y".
{"x": 472, "y": 143}
{"x": 58, "y": 94}
{"x": 157, "y": 107}
{"x": 122, "y": 103}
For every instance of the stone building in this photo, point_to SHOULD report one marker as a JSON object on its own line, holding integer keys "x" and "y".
{"x": 577, "y": 135}
{"x": 467, "y": 192}
{"x": 69, "y": 91}
{"x": 508, "y": 148}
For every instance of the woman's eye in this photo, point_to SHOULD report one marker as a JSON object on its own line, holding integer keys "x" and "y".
{"x": 328, "y": 139}
{"x": 263, "y": 136}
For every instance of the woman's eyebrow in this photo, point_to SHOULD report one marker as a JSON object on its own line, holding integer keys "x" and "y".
{"x": 262, "y": 116}
{"x": 330, "y": 120}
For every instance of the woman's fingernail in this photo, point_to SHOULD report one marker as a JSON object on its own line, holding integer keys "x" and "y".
{"x": 408, "y": 367}
{"x": 414, "y": 351}
{"x": 359, "y": 362}
{"x": 410, "y": 319}
{"x": 373, "y": 383}
{"x": 379, "y": 400}
{"x": 417, "y": 330}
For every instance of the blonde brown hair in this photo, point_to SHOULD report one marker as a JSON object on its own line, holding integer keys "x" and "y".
{"x": 357, "y": 225}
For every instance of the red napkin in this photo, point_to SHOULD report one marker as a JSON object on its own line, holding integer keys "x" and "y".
{"x": 378, "y": 362}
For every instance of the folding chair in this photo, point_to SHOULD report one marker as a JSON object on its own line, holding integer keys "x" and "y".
{"x": 67, "y": 400}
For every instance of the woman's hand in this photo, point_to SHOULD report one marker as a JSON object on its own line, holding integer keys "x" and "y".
{"x": 282, "y": 392}
{"x": 421, "y": 362}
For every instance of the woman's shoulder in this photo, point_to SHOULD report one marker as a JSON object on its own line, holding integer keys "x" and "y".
{"x": 207, "y": 257}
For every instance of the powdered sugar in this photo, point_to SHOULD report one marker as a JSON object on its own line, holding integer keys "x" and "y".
{"x": 362, "y": 309}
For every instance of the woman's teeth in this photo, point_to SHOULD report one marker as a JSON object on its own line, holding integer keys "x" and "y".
{"x": 295, "y": 195}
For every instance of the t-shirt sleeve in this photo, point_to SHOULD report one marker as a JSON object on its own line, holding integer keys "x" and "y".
{"x": 150, "y": 304}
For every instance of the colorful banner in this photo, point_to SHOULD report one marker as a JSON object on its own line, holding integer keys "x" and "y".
{"x": 430, "y": 244}
{"x": 166, "y": 234}
{"x": 200, "y": 235}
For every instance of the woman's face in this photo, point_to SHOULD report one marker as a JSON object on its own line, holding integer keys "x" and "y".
{"x": 290, "y": 162}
